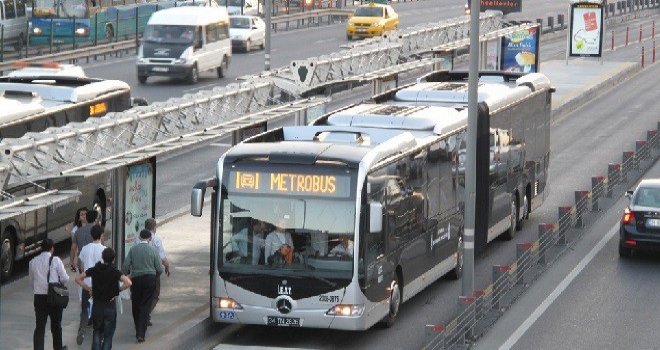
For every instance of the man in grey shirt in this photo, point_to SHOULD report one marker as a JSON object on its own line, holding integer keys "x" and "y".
{"x": 81, "y": 238}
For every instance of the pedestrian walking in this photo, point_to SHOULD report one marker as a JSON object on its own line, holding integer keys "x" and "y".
{"x": 104, "y": 289}
{"x": 46, "y": 268}
{"x": 79, "y": 221}
{"x": 81, "y": 238}
{"x": 157, "y": 243}
{"x": 142, "y": 265}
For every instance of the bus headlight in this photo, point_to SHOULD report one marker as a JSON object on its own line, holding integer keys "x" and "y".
{"x": 346, "y": 310}
{"x": 36, "y": 31}
{"x": 228, "y": 303}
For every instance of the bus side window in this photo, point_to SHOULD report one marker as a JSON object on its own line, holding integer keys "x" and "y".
{"x": 375, "y": 241}
{"x": 10, "y": 11}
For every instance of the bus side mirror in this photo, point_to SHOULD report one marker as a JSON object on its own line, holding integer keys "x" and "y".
{"x": 629, "y": 194}
{"x": 197, "y": 199}
{"x": 375, "y": 217}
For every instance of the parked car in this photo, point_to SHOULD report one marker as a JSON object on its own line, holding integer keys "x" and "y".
{"x": 371, "y": 20}
{"x": 247, "y": 32}
{"x": 640, "y": 224}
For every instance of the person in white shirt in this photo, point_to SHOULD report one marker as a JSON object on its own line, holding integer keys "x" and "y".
{"x": 240, "y": 241}
{"x": 344, "y": 248}
{"x": 40, "y": 266}
{"x": 278, "y": 239}
{"x": 157, "y": 242}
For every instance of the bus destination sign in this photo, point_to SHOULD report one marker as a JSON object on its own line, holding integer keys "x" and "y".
{"x": 289, "y": 183}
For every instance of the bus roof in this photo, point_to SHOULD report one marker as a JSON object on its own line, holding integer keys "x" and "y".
{"x": 189, "y": 16}
{"x": 21, "y": 97}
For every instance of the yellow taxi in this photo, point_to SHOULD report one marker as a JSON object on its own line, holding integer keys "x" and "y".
{"x": 370, "y": 20}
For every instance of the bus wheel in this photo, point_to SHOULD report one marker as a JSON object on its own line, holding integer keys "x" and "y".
{"x": 511, "y": 232}
{"x": 6, "y": 256}
{"x": 395, "y": 304}
{"x": 457, "y": 272}
{"x": 109, "y": 33}
{"x": 193, "y": 76}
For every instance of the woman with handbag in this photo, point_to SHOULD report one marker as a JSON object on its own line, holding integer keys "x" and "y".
{"x": 50, "y": 296}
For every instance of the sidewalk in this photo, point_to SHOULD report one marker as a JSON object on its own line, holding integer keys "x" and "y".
{"x": 183, "y": 307}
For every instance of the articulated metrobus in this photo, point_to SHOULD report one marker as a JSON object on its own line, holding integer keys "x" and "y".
{"x": 32, "y": 103}
{"x": 336, "y": 224}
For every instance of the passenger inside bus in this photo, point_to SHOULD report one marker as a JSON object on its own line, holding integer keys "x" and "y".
{"x": 279, "y": 245}
{"x": 243, "y": 240}
{"x": 344, "y": 249}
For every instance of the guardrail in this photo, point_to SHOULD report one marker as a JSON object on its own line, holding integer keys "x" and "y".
{"x": 477, "y": 312}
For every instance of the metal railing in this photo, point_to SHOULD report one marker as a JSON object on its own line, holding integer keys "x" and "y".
{"x": 478, "y": 311}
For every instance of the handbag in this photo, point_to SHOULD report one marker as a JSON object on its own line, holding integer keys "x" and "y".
{"x": 58, "y": 293}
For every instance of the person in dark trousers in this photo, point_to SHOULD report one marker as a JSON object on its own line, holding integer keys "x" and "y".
{"x": 144, "y": 265}
{"x": 105, "y": 289}
{"x": 81, "y": 238}
{"x": 39, "y": 268}
{"x": 157, "y": 242}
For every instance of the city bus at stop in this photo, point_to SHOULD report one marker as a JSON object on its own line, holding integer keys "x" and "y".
{"x": 33, "y": 103}
{"x": 338, "y": 223}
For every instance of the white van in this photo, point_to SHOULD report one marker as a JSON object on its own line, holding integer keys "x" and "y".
{"x": 242, "y": 7}
{"x": 14, "y": 19}
{"x": 180, "y": 42}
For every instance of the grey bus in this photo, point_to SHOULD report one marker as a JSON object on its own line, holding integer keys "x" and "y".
{"x": 336, "y": 224}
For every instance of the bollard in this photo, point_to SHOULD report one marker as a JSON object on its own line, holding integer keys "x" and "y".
{"x": 653, "y": 30}
{"x": 627, "y": 163}
{"x": 640, "y": 152}
{"x": 613, "y": 177}
{"x": 466, "y": 315}
{"x": 651, "y": 139}
{"x": 597, "y": 188}
{"x": 640, "y": 33}
{"x": 551, "y": 23}
{"x": 642, "y": 56}
{"x": 627, "y": 32}
{"x": 501, "y": 285}
{"x": 437, "y": 331}
{"x": 560, "y": 21}
{"x": 540, "y": 22}
{"x": 545, "y": 240}
{"x": 565, "y": 218}
{"x": 581, "y": 201}
{"x": 479, "y": 303}
{"x": 612, "y": 49}
{"x": 523, "y": 261}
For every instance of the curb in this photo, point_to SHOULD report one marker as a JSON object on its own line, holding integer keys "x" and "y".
{"x": 578, "y": 101}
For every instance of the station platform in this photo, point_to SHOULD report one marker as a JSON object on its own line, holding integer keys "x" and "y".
{"x": 182, "y": 313}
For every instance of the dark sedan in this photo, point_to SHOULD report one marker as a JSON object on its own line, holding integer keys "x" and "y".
{"x": 640, "y": 224}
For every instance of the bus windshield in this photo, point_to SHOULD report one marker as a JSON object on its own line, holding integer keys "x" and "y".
{"x": 60, "y": 8}
{"x": 169, "y": 34}
{"x": 297, "y": 233}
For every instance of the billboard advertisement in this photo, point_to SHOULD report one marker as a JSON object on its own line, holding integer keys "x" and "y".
{"x": 520, "y": 51}
{"x": 586, "y": 35}
{"x": 506, "y": 6}
{"x": 139, "y": 200}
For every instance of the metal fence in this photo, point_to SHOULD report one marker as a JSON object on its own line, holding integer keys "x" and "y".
{"x": 477, "y": 312}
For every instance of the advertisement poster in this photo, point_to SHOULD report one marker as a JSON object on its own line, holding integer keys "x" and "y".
{"x": 506, "y": 6}
{"x": 586, "y": 30}
{"x": 140, "y": 200}
{"x": 520, "y": 51}
{"x": 492, "y": 52}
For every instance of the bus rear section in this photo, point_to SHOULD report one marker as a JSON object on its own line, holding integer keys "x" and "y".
{"x": 370, "y": 217}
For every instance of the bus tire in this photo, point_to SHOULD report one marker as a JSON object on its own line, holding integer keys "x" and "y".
{"x": 510, "y": 233}
{"x": 7, "y": 255}
{"x": 142, "y": 79}
{"x": 193, "y": 75}
{"x": 396, "y": 297}
{"x": 457, "y": 271}
{"x": 109, "y": 32}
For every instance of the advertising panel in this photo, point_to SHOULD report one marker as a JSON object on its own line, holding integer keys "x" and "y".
{"x": 140, "y": 200}
{"x": 520, "y": 51}
{"x": 492, "y": 52}
{"x": 586, "y": 30}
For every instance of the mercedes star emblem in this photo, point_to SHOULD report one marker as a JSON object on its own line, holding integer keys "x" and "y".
{"x": 284, "y": 306}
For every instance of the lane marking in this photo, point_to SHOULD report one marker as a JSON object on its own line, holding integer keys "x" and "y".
{"x": 221, "y": 144}
{"x": 561, "y": 287}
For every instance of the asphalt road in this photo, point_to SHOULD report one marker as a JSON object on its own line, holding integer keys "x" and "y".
{"x": 297, "y": 44}
{"x": 610, "y": 303}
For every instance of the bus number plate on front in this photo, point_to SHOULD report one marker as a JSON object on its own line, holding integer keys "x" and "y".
{"x": 283, "y": 321}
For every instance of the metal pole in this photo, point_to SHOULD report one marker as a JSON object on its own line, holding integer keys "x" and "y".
{"x": 137, "y": 40}
{"x": 52, "y": 34}
{"x": 118, "y": 184}
{"x": 2, "y": 42}
{"x": 74, "y": 32}
{"x": 267, "y": 8}
{"x": 96, "y": 29}
{"x": 471, "y": 166}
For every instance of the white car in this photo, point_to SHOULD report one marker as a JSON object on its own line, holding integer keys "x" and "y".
{"x": 247, "y": 32}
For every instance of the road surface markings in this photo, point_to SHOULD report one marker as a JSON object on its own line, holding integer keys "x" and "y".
{"x": 561, "y": 287}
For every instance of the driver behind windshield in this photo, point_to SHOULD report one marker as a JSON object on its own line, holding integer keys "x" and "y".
{"x": 279, "y": 245}
{"x": 343, "y": 249}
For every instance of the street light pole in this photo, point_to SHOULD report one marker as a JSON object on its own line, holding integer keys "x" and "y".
{"x": 267, "y": 8}
{"x": 471, "y": 166}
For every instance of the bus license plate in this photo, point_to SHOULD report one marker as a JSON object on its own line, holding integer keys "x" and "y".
{"x": 283, "y": 321}
{"x": 160, "y": 69}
